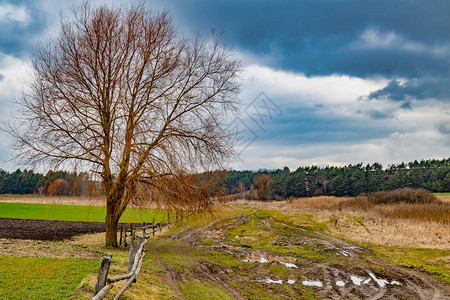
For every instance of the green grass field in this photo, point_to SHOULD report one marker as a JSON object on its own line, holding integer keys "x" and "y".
{"x": 441, "y": 194}
{"x": 42, "y": 277}
{"x": 74, "y": 213}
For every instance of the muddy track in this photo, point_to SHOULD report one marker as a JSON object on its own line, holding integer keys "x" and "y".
{"x": 357, "y": 275}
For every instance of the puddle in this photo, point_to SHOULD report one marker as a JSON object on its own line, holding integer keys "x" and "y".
{"x": 356, "y": 280}
{"x": 268, "y": 280}
{"x": 312, "y": 283}
{"x": 262, "y": 260}
{"x": 345, "y": 253}
{"x": 291, "y": 281}
{"x": 340, "y": 283}
{"x": 381, "y": 282}
{"x": 289, "y": 265}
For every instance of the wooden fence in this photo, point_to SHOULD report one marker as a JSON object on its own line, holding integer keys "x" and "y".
{"x": 137, "y": 253}
{"x": 153, "y": 227}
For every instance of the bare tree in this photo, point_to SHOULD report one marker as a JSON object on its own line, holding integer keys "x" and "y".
{"x": 122, "y": 93}
{"x": 262, "y": 184}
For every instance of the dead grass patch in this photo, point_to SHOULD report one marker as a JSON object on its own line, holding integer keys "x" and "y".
{"x": 68, "y": 200}
{"x": 33, "y": 248}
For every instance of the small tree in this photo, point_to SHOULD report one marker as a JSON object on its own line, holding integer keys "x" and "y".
{"x": 262, "y": 184}
{"x": 121, "y": 93}
{"x": 58, "y": 187}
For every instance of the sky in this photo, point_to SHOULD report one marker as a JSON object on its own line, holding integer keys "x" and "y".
{"x": 324, "y": 82}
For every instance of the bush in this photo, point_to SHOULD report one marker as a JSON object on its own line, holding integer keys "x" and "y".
{"x": 407, "y": 195}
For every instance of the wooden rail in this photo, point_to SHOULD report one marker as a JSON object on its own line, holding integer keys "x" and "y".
{"x": 137, "y": 253}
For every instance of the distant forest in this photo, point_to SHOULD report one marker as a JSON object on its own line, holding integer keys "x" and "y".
{"x": 352, "y": 180}
{"x": 59, "y": 183}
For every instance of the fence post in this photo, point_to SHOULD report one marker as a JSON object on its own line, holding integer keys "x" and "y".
{"x": 133, "y": 250}
{"x": 124, "y": 242}
{"x": 121, "y": 235}
{"x": 141, "y": 239}
{"x": 168, "y": 219}
{"x": 103, "y": 273}
{"x": 143, "y": 228}
{"x": 153, "y": 226}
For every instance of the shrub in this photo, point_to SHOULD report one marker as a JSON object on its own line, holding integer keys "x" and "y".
{"x": 407, "y": 195}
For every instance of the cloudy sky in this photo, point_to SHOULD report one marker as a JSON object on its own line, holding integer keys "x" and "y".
{"x": 324, "y": 82}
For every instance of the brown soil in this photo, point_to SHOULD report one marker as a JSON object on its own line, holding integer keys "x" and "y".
{"x": 45, "y": 230}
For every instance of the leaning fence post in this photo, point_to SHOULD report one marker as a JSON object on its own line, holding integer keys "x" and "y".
{"x": 141, "y": 239}
{"x": 103, "y": 273}
{"x": 133, "y": 250}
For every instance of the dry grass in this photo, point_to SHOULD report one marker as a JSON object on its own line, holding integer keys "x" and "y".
{"x": 444, "y": 198}
{"x": 358, "y": 219}
{"x": 406, "y": 195}
{"x": 424, "y": 209}
{"x": 68, "y": 200}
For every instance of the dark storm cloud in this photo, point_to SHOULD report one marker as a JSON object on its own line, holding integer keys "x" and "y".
{"x": 300, "y": 125}
{"x": 18, "y": 36}
{"x": 418, "y": 89}
{"x": 318, "y": 37}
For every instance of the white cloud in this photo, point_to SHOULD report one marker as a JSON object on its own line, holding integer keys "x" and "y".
{"x": 12, "y": 13}
{"x": 406, "y": 134}
{"x": 333, "y": 89}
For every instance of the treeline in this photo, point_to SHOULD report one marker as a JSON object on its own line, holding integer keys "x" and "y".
{"x": 352, "y": 180}
{"x": 55, "y": 183}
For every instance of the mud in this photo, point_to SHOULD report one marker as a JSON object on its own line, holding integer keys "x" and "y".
{"x": 376, "y": 278}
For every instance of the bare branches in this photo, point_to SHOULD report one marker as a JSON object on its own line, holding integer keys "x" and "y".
{"x": 119, "y": 91}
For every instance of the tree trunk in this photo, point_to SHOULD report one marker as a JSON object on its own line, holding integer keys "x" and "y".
{"x": 111, "y": 223}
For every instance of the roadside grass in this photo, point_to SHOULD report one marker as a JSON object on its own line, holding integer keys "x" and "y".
{"x": 86, "y": 213}
{"x": 41, "y": 277}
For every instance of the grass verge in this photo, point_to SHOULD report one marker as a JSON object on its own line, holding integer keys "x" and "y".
{"x": 41, "y": 277}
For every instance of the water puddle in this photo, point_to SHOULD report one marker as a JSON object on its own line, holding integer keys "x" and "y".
{"x": 312, "y": 283}
{"x": 289, "y": 265}
{"x": 340, "y": 283}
